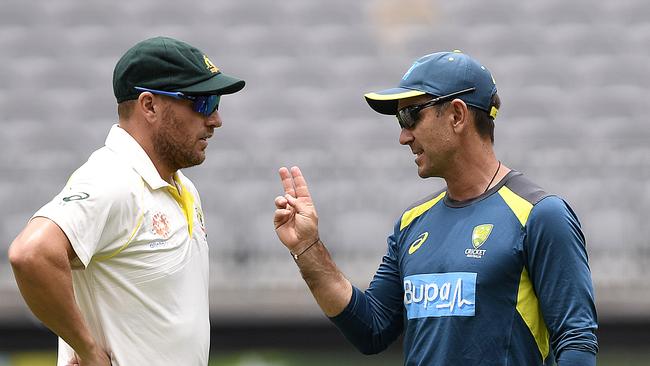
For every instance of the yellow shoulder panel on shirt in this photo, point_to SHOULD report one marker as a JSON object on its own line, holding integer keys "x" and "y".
{"x": 518, "y": 205}
{"x": 528, "y": 308}
{"x": 417, "y": 211}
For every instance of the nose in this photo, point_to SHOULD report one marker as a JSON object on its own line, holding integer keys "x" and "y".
{"x": 214, "y": 120}
{"x": 405, "y": 137}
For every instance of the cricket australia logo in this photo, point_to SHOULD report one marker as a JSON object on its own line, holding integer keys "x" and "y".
{"x": 160, "y": 225}
{"x": 480, "y": 234}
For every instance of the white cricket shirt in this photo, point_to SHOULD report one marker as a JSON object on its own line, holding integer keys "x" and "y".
{"x": 141, "y": 280}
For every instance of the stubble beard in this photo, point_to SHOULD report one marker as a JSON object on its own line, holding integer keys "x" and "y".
{"x": 176, "y": 149}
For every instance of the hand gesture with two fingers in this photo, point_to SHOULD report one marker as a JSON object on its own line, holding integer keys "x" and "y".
{"x": 296, "y": 221}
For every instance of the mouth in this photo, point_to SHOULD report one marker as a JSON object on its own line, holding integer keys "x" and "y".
{"x": 418, "y": 154}
{"x": 203, "y": 142}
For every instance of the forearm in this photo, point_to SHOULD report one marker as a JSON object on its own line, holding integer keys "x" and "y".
{"x": 48, "y": 293}
{"x": 374, "y": 318}
{"x": 44, "y": 278}
{"x": 327, "y": 284}
{"x": 367, "y": 329}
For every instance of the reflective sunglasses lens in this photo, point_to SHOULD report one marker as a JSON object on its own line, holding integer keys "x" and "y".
{"x": 206, "y": 104}
{"x": 405, "y": 119}
{"x": 213, "y": 103}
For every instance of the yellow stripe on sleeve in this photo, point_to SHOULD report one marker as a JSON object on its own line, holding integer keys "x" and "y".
{"x": 519, "y": 206}
{"x": 135, "y": 230}
{"x": 417, "y": 211}
{"x": 528, "y": 308}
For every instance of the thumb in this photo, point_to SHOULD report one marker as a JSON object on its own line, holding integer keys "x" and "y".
{"x": 300, "y": 207}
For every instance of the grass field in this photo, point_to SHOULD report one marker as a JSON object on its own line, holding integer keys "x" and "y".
{"x": 311, "y": 358}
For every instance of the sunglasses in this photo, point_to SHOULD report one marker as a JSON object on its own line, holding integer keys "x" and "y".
{"x": 408, "y": 117}
{"x": 204, "y": 104}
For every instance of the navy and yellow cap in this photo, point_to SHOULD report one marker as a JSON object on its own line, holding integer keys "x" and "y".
{"x": 168, "y": 64}
{"x": 440, "y": 74}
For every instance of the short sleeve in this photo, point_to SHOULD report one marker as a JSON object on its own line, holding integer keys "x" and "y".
{"x": 94, "y": 211}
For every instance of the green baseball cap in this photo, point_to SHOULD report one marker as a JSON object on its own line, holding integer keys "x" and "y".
{"x": 168, "y": 64}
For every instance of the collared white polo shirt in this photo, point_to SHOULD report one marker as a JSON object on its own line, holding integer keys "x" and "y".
{"x": 141, "y": 280}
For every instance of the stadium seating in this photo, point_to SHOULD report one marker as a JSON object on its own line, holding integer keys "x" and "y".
{"x": 573, "y": 77}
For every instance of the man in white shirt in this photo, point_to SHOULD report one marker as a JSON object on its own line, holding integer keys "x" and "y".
{"x": 117, "y": 263}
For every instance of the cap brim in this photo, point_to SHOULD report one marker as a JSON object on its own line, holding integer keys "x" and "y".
{"x": 218, "y": 84}
{"x": 385, "y": 101}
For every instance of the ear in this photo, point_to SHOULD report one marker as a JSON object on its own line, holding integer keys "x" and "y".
{"x": 149, "y": 106}
{"x": 459, "y": 115}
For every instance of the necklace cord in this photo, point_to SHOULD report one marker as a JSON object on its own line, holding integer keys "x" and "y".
{"x": 494, "y": 176}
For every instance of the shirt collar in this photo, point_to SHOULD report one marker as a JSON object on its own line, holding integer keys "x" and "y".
{"x": 124, "y": 145}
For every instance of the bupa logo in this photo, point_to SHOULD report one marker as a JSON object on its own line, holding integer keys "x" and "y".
{"x": 440, "y": 294}
{"x": 418, "y": 242}
{"x": 480, "y": 234}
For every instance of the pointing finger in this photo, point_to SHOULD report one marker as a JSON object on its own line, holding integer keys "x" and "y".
{"x": 287, "y": 181}
{"x": 301, "y": 189}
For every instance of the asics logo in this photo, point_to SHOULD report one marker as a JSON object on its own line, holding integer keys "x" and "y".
{"x": 418, "y": 242}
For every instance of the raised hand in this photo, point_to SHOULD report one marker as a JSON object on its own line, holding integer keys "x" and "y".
{"x": 295, "y": 219}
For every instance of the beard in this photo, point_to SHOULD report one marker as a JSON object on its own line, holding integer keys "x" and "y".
{"x": 173, "y": 145}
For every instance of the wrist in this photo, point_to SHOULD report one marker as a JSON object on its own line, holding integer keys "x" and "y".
{"x": 296, "y": 253}
{"x": 85, "y": 348}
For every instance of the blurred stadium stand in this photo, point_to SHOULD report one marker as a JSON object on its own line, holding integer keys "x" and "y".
{"x": 573, "y": 78}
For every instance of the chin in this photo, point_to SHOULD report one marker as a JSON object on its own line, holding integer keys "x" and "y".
{"x": 423, "y": 173}
{"x": 194, "y": 161}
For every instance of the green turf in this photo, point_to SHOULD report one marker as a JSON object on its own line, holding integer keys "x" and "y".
{"x": 624, "y": 358}
{"x": 312, "y": 358}
{"x": 316, "y": 358}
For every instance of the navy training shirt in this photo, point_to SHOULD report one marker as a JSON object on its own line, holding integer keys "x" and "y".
{"x": 502, "y": 279}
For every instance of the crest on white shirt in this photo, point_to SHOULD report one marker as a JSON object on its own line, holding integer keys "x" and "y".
{"x": 160, "y": 224}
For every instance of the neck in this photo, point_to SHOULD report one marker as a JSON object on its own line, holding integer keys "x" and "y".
{"x": 146, "y": 142}
{"x": 166, "y": 173}
{"x": 471, "y": 177}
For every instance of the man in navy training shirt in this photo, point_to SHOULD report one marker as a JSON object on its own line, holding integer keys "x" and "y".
{"x": 491, "y": 270}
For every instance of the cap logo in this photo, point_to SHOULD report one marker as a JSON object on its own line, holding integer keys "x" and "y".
{"x": 415, "y": 64}
{"x": 210, "y": 65}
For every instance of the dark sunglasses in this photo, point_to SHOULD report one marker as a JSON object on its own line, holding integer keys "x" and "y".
{"x": 408, "y": 117}
{"x": 204, "y": 104}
